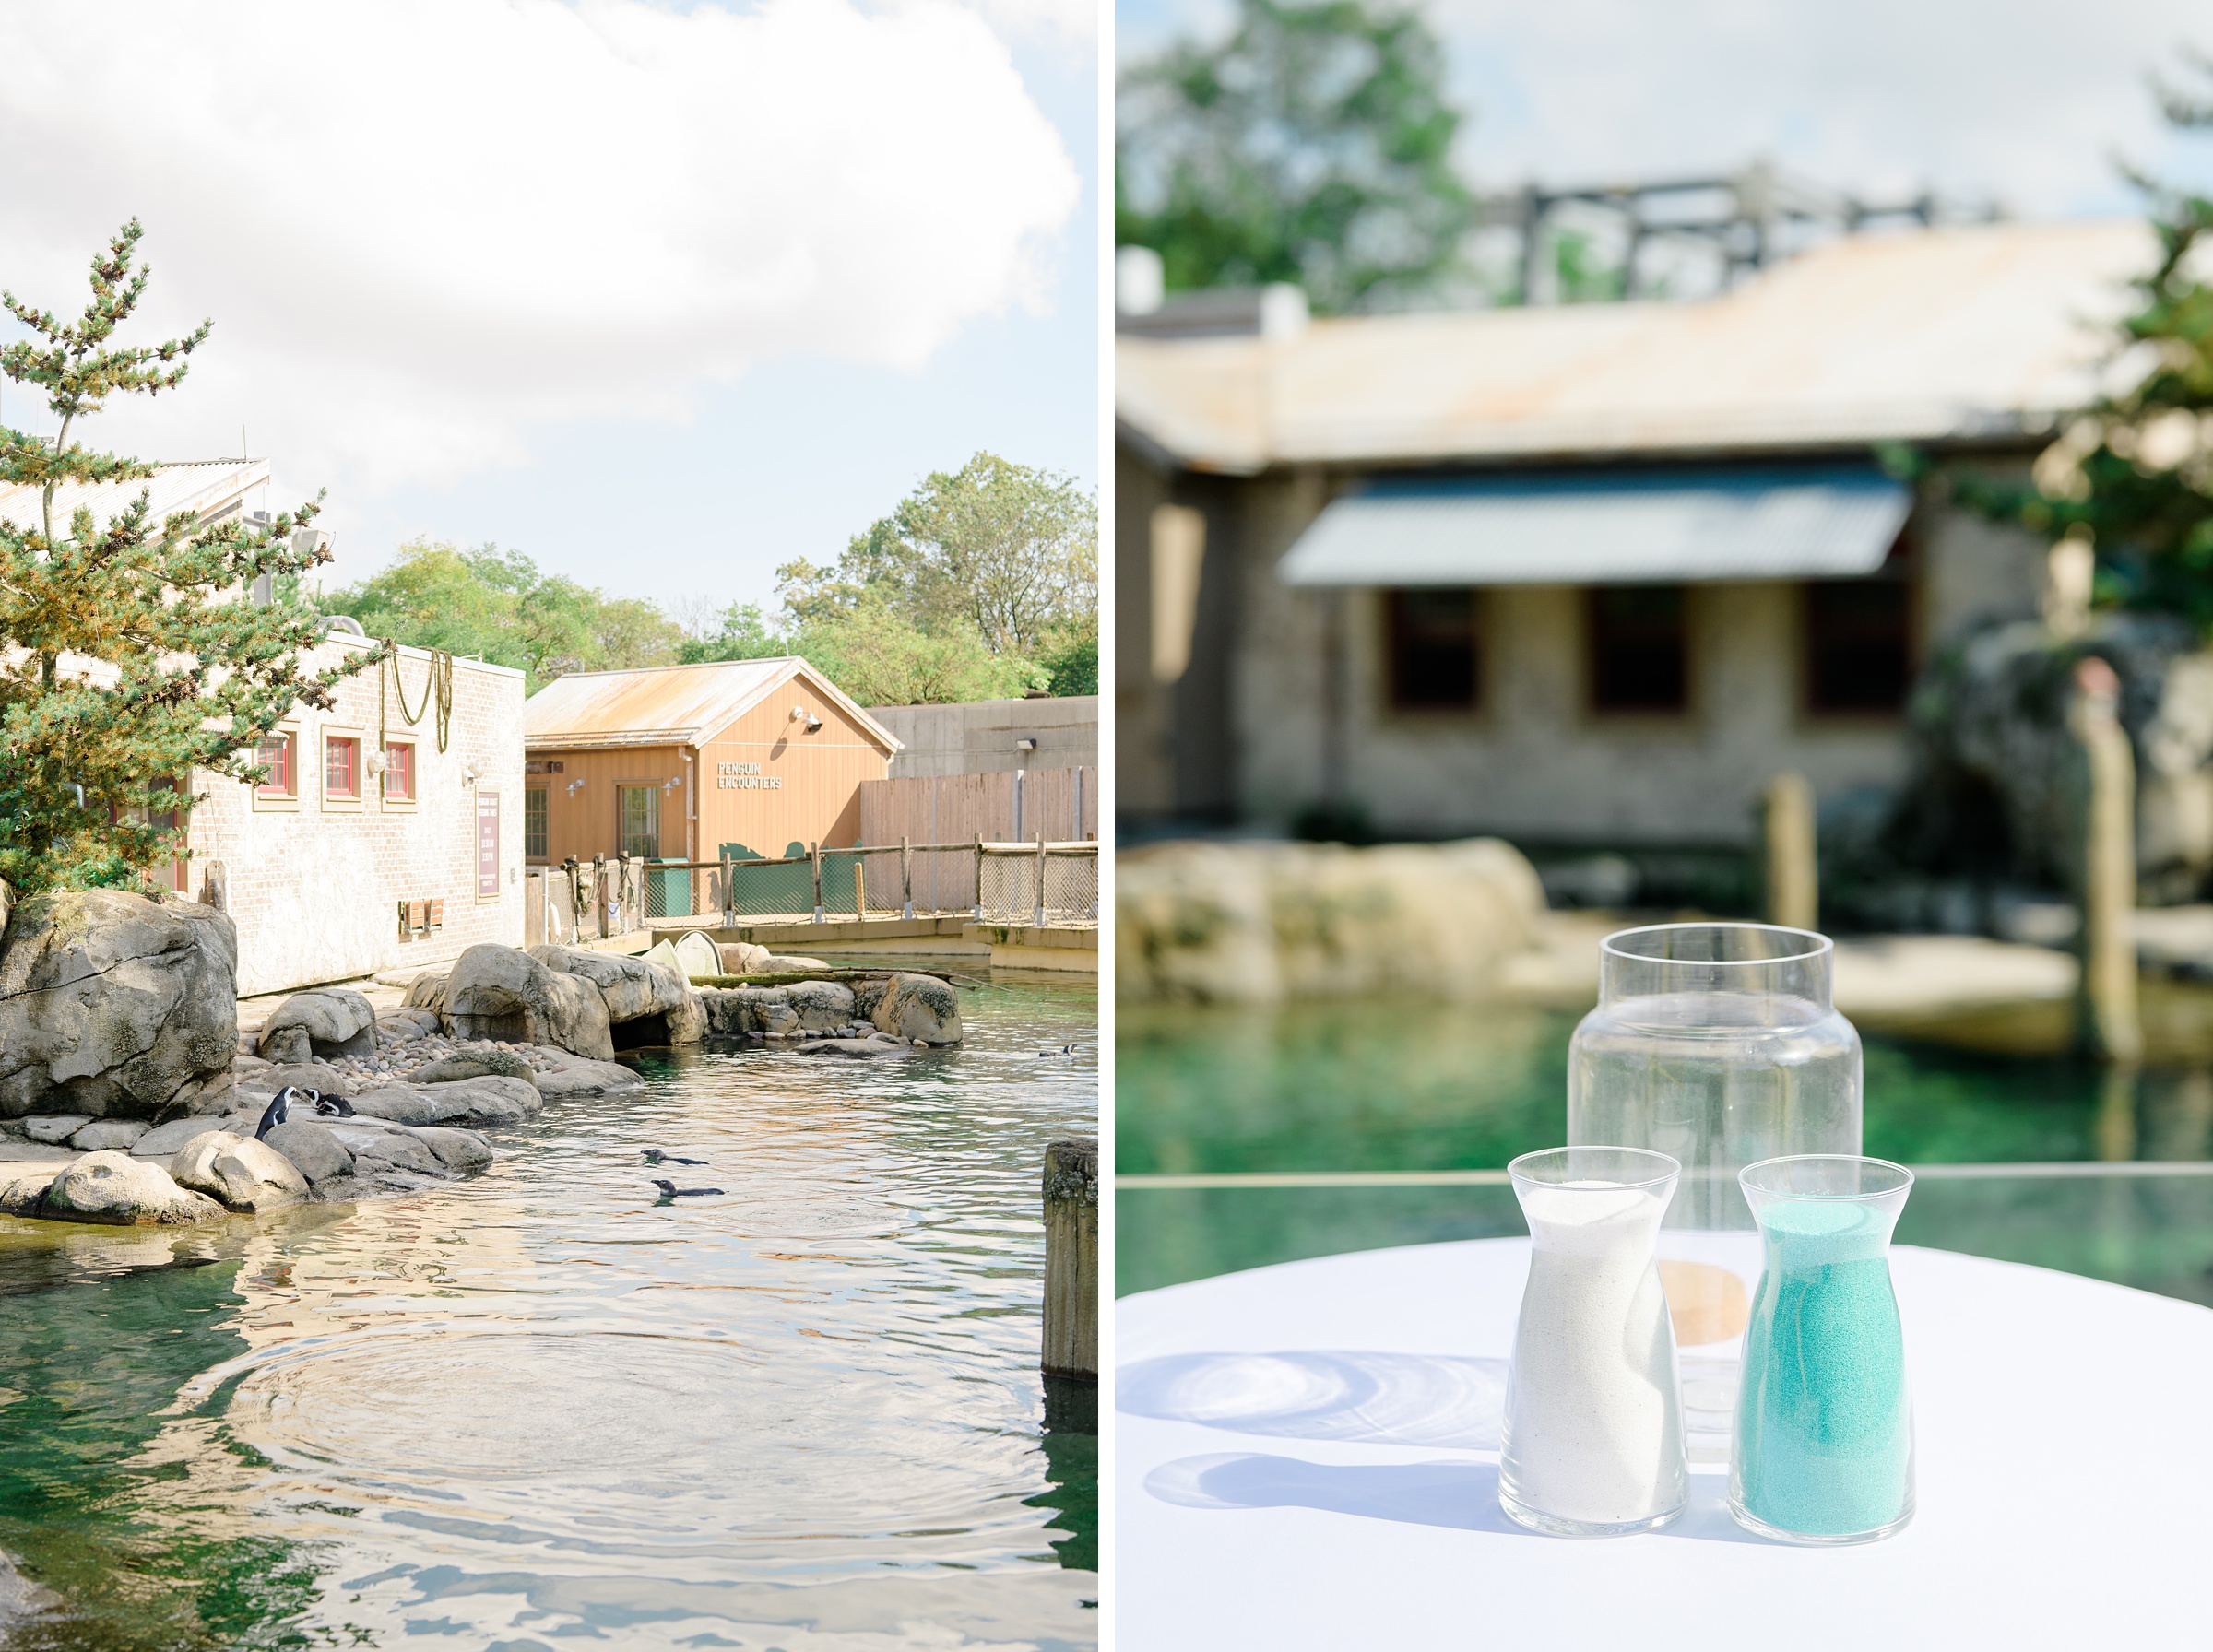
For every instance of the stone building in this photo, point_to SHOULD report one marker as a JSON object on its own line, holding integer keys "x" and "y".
{"x": 1585, "y": 575}
{"x": 379, "y": 842}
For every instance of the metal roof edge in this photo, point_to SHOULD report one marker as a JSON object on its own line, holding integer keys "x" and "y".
{"x": 799, "y": 667}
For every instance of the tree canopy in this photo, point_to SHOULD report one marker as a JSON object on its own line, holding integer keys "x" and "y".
{"x": 1314, "y": 146}
{"x": 129, "y": 653}
{"x": 496, "y": 605}
{"x": 982, "y": 584}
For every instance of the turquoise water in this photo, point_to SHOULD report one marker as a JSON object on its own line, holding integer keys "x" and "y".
{"x": 536, "y": 1408}
{"x": 1824, "y": 1438}
{"x": 1399, "y": 1087}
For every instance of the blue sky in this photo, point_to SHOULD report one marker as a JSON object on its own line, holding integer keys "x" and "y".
{"x": 660, "y": 294}
{"x": 2026, "y": 100}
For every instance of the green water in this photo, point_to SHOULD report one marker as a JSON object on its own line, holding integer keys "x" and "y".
{"x": 535, "y": 1406}
{"x": 1392, "y": 1087}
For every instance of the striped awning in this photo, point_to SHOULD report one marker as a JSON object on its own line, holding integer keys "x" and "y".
{"x": 1606, "y": 528}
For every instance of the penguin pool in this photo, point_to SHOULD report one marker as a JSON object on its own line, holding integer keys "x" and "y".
{"x": 542, "y": 1404}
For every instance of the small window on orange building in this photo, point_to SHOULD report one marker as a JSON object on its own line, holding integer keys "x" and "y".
{"x": 341, "y": 768}
{"x": 400, "y": 771}
{"x": 275, "y": 753}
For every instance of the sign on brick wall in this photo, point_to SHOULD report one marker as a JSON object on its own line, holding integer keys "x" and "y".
{"x": 488, "y": 845}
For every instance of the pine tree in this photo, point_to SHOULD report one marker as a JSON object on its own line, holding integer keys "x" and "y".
{"x": 2132, "y": 472}
{"x": 130, "y": 655}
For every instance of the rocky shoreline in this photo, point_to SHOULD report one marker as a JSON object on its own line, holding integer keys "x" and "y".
{"x": 162, "y": 1129}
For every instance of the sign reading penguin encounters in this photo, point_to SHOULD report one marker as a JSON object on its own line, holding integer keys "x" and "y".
{"x": 488, "y": 845}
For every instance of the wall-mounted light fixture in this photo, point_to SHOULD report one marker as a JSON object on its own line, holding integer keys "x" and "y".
{"x": 575, "y": 785}
{"x": 1026, "y": 745}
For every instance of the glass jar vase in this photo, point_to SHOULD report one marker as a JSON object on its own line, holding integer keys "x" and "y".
{"x": 1718, "y": 1046}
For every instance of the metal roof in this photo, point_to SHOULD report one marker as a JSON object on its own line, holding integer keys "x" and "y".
{"x": 1591, "y": 527}
{"x": 669, "y": 705}
{"x": 1971, "y": 331}
{"x": 210, "y": 489}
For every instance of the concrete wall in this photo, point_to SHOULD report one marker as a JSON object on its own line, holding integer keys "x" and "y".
{"x": 315, "y": 884}
{"x": 1534, "y": 762}
{"x": 978, "y": 738}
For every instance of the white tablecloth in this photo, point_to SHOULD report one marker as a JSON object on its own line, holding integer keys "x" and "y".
{"x": 1307, "y": 1457}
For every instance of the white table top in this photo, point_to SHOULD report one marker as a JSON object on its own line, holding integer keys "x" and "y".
{"x": 1307, "y": 1457}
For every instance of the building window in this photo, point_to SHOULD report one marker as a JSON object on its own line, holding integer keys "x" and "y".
{"x": 1639, "y": 649}
{"x": 342, "y": 768}
{"x": 1859, "y": 646}
{"x": 275, "y": 753}
{"x": 534, "y": 824}
{"x": 400, "y": 771}
{"x": 641, "y": 822}
{"x": 1436, "y": 649}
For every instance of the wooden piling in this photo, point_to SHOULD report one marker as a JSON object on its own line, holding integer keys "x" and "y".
{"x": 1787, "y": 826}
{"x": 1071, "y": 1259}
{"x": 2104, "y": 794}
{"x": 215, "y": 889}
{"x": 906, "y": 878}
{"x": 814, "y": 854}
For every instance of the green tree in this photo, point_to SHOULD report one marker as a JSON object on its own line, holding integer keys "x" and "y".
{"x": 880, "y": 656}
{"x": 1313, "y": 145}
{"x": 741, "y": 633}
{"x": 2132, "y": 472}
{"x": 496, "y": 605}
{"x": 129, "y": 656}
{"x": 1010, "y": 550}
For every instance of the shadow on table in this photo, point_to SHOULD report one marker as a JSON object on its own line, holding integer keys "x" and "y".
{"x": 1459, "y": 1496}
{"x": 1350, "y": 1395}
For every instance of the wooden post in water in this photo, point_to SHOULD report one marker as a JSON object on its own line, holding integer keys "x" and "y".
{"x": 860, "y": 889}
{"x": 1787, "y": 826}
{"x": 2105, "y": 842}
{"x": 1071, "y": 1359}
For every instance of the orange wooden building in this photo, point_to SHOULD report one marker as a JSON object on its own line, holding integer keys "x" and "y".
{"x": 688, "y": 763}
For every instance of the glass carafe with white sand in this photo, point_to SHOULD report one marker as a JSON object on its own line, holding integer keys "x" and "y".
{"x": 1716, "y": 1044}
{"x": 1593, "y": 1443}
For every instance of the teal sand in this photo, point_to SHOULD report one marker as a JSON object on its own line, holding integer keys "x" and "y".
{"x": 1824, "y": 1428}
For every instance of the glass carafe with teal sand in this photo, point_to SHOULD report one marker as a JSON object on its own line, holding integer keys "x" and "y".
{"x": 1824, "y": 1427}
{"x": 1718, "y": 1046}
{"x": 1593, "y": 1443}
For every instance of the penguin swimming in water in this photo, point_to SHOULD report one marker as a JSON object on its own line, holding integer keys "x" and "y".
{"x": 655, "y": 1156}
{"x": 1065, "y": 1049}
{"x": 671, "y": 1190}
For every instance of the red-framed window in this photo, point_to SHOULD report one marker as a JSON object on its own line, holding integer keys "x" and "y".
{"x": 400, "y": 771}
{"x": 276, "y": 753}
{"x": 341, "y": 767}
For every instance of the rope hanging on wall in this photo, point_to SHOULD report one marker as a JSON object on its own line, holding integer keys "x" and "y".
{"x": 437, "y": 687}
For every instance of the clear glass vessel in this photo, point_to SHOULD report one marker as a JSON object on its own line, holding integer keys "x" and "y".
{"x": 1824, "y": 1424}
{"x": 1716, "y": 1044}
{"x": 1592, "y": 1442}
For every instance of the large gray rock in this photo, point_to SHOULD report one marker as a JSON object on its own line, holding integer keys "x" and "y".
{"x": 1994, "y": 764}
{"x": 112, "y": 1003}
{"x": 317, "y": 1076}
{"x": 777, "y": 964}
{"x": 402, "y": 1026}
{"x": 505, "y": 994}
{"x": 55, "y": 1128}
{"x": 491, "y": 1099}
{"x": 104, "y": 1134}
{"x": 23, "y": 1194}
{"x": 734, "y": 1011}
{"x": 634, "y": 989}
{"x": 743, "y": 958}
{"x": 476, "y": 1063}
{"x": 313, "y": 1151}
{"x": 427, "y": 992}
{"x": 860, "y": 1049}
{"x": 333, "y": 1020}
{"x": 120, "y": 1191}
{"x": 241, "y": 1172}
{"x": 576, "y": 1076}
{"x": 164, "y": 1140}
{"x": 823, "y": 1005}
{"x": 921, "y": 1007}
{"x": 456, "y": 1149}
{"x": 374, "y": 1150}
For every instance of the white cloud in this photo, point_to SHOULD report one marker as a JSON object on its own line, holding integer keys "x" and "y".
{"x": 423, "y": 226}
